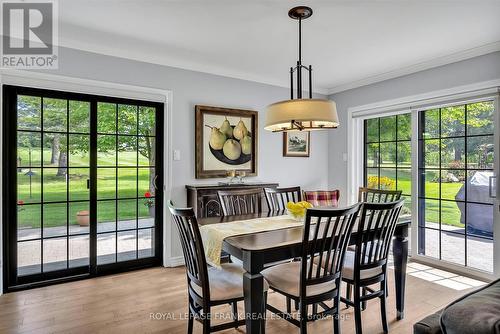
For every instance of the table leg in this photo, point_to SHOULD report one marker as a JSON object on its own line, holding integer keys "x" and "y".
{"x": 400, "y": 252}
{"x": 253, "y": 291}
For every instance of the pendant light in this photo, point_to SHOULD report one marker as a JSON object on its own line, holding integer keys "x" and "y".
{"x": 299, "y": 113}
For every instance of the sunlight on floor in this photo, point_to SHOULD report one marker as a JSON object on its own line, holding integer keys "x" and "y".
{"x": 441, "y": 277}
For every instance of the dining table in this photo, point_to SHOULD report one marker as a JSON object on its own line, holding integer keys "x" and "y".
{"x": 258, "y": 249}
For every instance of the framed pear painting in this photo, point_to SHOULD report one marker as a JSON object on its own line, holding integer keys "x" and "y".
{"x": 226, "y": 140}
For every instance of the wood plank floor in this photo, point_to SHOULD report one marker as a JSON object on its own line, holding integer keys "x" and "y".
{"x": 126, "y": 303}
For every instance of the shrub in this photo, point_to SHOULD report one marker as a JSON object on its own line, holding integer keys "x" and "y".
{"x": 386, "y": 183}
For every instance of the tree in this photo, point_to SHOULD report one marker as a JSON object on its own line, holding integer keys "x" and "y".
{"x": 453, "y": 123}
{"x": 54, "y": 157}
{"x": 147, "y": 147}
{"x": 132, "y": 120}
{"x": 479, "y": 115}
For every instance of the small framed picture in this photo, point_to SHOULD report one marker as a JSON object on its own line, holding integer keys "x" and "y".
{"x": 296, "y": 144}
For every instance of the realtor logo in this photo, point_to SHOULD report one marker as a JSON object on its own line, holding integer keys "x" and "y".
{"x": 29, "y": 34}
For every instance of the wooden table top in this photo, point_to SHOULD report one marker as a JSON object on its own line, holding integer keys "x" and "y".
{"x": 266, "y": 240}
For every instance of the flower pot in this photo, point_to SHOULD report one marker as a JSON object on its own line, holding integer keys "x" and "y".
{"x": 152, "y": 212}
{"x": 82, "y": 218}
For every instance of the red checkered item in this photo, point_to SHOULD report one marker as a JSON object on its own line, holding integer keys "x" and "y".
{"x": 322, "y": 198}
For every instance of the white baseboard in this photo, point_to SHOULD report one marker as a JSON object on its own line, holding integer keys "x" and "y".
{"x": 176, "y": 261}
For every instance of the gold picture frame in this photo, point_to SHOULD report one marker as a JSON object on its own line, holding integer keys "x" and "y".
{"x": 232, "y": 147}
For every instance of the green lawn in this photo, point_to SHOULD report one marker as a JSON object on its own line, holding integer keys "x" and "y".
{"x": 450, "y": 213}
{"x": 132, "y": 182}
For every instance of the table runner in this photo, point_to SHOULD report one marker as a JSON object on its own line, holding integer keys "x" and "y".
{"x": 213, "y": 235}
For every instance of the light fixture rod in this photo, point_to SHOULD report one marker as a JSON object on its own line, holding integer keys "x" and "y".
{"x": 299, "y": 63}
{"x": 310, "y": 82}
{"x": 300, "y": 41}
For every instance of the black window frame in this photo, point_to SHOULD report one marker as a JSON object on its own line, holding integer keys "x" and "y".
{"x": 422, "y": 228}
{"x": 12, "y": 281}
{"x": 396, "y": 141}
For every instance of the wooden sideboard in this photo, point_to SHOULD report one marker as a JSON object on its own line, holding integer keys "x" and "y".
{"x": 203, "y": 198}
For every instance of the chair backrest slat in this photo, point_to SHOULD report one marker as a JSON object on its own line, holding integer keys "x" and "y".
{"x": 240, "y": 202}
{"x": 278, "y": 198}
{"x": 377, "y": 195}
{"x": 375, "y": 230}
{"x": 326, "y": 237}
{"x": 192, "y": 249}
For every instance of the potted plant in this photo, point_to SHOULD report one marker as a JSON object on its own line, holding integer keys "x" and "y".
{"x": 82, "y": 218}
{"x": 150, "y": 203}
{"x": 20, "y": 204}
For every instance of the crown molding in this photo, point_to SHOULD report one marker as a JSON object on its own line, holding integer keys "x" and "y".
{"x": 422, "y": 66}
{"x": 184, "y": 64}
{"x": 175, "y": 62}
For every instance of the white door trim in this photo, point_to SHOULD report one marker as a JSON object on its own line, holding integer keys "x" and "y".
{"x": 414, "y": 103}
{"x": 429, "y": 98}
{"x": 496, "y": 208}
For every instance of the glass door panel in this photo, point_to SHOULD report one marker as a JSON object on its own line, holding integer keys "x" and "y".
{"x": 126, "y": 182}
{"x": 387, "y": 158}
{"x": 84, "y": 197}
{"x": 456, "y": 166}
{"x": 53, "y": 201}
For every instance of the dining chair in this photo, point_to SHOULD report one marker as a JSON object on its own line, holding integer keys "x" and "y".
{"x": 207, "y": 286}
{"x": 373, "y": 196}
{"x": 326, "y": 235}
{"x": 378, "y": 195}
{"x": 240, "y": 202}
{"x": 277, "y": 198}
{"x": 322, "y": 197}
{"x": 367, "y": 264}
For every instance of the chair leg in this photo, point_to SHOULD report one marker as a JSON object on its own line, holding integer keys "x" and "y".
{"x": 263, "y": 328}
{"x": 348, "y": 293}
{"x": 288, "y": 305}
{"x": 357, "y": 310}
{"x": 206, "y": 325}
{"x": 235, "y": 313}
{"x": 336, "y": 315}
{"x": 315, "y": 309}
{"x": 190, "y": 323}
{"x": 297, "y": 305}
{"x": 363, "y": 303}
{"x": 303, "y": 318}
{"x": 383, "y": 311}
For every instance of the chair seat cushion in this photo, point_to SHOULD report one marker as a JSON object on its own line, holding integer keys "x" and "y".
{"x": 225, "y": 283}
{"x": 286, "y": 278}
{"x": 348, "y": 271}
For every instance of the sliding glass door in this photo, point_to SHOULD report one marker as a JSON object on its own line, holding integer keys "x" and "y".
{"x": 456, "y": 178}
{"x": 82, "y": 175}
{"x": 453, "y": 179}
{"x": 126, "y": 182}
{"x": 52, "y": 169}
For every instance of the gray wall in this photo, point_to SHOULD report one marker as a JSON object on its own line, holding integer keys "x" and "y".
{"x": 465, "y": 72}
{"x": 323, "y": 169}
{"x": 190, "y": 88}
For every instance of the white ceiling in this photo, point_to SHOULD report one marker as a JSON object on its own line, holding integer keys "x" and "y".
{"x": 349, "y": 43}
